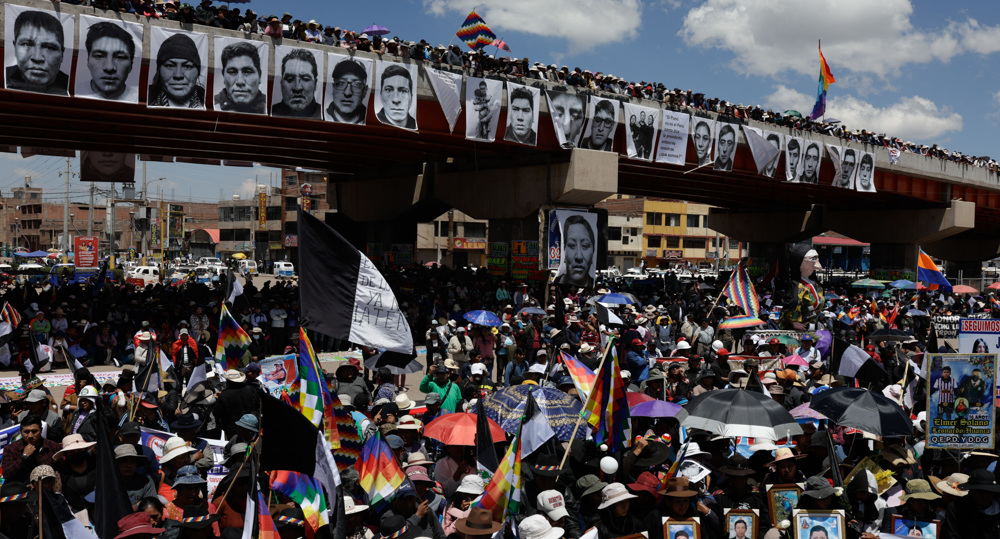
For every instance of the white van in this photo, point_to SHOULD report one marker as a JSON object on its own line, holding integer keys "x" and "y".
{"x": 248, "y": 267}
{"x": 284, "y": 270}
{"x": 143, "y": 275}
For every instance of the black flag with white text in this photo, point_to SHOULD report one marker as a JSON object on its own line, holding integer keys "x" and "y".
{"x": 343, "y": 295}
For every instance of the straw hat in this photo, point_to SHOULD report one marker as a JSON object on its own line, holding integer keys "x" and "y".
{"x": 614, "y": 493}
{"x": 72, "y": 443}
{"x": 784, "y": 453}
{"x": 951, "y": 484}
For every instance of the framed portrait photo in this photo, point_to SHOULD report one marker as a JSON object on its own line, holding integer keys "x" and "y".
{"x": 741, "y": 523}
{"x": 818, "y": 525}
{"x": 916, "y": 528}
{"x": 781, "y": 501}
{"x": 682, "y": 529}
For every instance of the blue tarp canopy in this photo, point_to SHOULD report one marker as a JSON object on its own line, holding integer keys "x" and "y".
{"x": 36, "y": 254}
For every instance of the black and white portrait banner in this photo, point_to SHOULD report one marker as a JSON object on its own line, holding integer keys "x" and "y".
{"x": 522, "y": 114}
{"x": 812, "y": 156}
{"x": 347, "y": 88}
{"x": 109, "y": 59}
{"x": 725, "y": 146}
{"x": 482, "y": 108}
{"x": 702, "y": 135}
{"x": 865, "y": 181}
{"x": 640, "y": 131}
{"x": 178, "y": 69}
{"x": 447, "y": 87}
{"x": 297, "y": 91}
{"x": 569, "y": 113}
{"x": 107, "y": 167}
{"x": 775, "y": 139}
{"x": 793, "y": 158}
{"x": 240, "y": 82}
{"x": 396, "y": 94}
{"x": 39, "y": 55}
{"x": 603, "y": 125}
{"x": 848, "y": 169}
{"x": 672, "y": 148}
{"x": 764, "y": 153}
{"x": 835, "y": 153}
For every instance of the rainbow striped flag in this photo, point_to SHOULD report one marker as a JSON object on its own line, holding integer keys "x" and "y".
{"x": 10, "y": 315}
{"x": 266, "y": 528}
{"x": 305, "y": 491}
{"x": 825, "y": 80}
{"x": 379, "y": 473}
{"x": 741, "y": 293}
{"x": 503, "y": 494}
{"x": 348, "y": 448}
{"x": 311, "y": 402}
{"x": 475, "y": 33}
{"x": 583, "y": 377}
{"x": 606, "y": 408}
{"x": 233, "y": 341}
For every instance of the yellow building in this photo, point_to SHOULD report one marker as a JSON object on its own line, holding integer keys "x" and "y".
{"x": 675, "y": 234}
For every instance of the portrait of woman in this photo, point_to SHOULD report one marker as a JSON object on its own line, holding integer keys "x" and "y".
{"x": 578, "y": 250}
{"x": 107, "y": 167}
{"x": 702, "y": 137}
{"x": 179, "y": 78}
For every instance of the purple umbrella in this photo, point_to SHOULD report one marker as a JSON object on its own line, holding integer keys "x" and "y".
{"x": 375, "y": 30}
{"x": 803, "y": 411}
{"x": 658, "y": 408}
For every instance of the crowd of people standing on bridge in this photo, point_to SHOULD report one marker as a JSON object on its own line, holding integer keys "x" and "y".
{"x": 286, "y": 27}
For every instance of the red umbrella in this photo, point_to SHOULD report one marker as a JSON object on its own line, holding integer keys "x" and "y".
{"x": 460, "y": 429}
{"x": 963, "y": 289}
{"x": 994, "y": 286}
{"x": 637, "y": 398}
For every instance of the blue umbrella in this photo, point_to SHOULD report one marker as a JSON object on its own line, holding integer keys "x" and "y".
{"x": 483, "y": 318}
{"x": 658, "y": 408}
{"x": 376, "y": 30}
{"x": 616, "y": 299}
{"x": 916, "y": 312}
{"x": 830, "y": 295}
{"x": 506, "y": 407}
{"x": 532, "y": 310}
{"x": 904, "y": 284}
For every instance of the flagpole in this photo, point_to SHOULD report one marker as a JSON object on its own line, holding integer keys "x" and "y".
{"x": 245, "y": 459}
{"x": 579, "y": 419}
{"x": 41, "y": 525}
{"x": 145, "y": 383}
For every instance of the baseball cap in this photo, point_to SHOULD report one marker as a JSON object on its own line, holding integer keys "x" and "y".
{"x": 551, "y": 502}
{"x": 36, "y": 395}
{"x": 478, "y": 369}
{"x": 395, "y": 442}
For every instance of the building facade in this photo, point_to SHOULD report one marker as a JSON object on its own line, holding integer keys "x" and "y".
{"x": 453, "y": 239}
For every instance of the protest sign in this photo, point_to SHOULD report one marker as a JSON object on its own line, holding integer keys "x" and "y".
{"x": 9, "y": 435}
{"x": 978, "y": 336}
{"x": 673, "y": 138}
{"x": 278, "y": 373}
{"x": 960, "y": 401}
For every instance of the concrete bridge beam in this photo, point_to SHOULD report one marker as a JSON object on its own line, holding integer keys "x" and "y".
{"x": 514, "y": 193}
{"x": 767, "y": 227}
{"x": 903, "y": 226}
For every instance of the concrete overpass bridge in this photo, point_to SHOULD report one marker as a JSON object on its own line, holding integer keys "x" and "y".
{"x": 387, "y": 177}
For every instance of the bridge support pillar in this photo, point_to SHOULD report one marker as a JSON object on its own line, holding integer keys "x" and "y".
{"x": 767, "y": 227}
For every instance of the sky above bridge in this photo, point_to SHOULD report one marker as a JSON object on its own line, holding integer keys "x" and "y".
{"x": 920, "y": 71}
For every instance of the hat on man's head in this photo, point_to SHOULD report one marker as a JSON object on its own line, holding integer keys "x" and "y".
{"x": 479, "y": 523}
{"x": 249, "y": 422}
{"x": 978, "y": 480}
{"x": 919, "y": 489}
{"x": 188, "y": 475}
{"x": 614, "y": 493}
{"x": 588, "y": 485}
{"x": 737, "y": 466}
{"x": 818, "y": 487}
{"x": 547, "y": 465}
{"x": 552, "y": 504}
{"x": 36, "y": 395}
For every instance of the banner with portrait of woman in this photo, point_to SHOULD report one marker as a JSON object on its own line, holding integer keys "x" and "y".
{"x": 482, "y": 108}
{"x": 577, "y": 238}
{"x": 297, "y": 91}
{"x": 107, "y": 167}
{"x": 396, "y": 94}
{"x": 240, "y": 82}
{"x": 702, "y": 135}
{"x": 603, "y": 124}
{"x": 109, "y": 60}
{"x": 522, "y": 114}
{"x": 178, "y": 69}
{"x": 641, "y": 125}
{"x": 38, "y": 53}
{"x": 348, "y": 87}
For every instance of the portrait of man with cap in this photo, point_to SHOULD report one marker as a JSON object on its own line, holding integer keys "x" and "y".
{"x": 347, "y": 96}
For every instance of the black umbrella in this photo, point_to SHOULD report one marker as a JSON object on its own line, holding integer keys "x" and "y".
{"x": 738, "y": 412}
{"x": 863, "y": 410}
{"x": 889, "y": 335}
{"x": 396, "y": 362}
